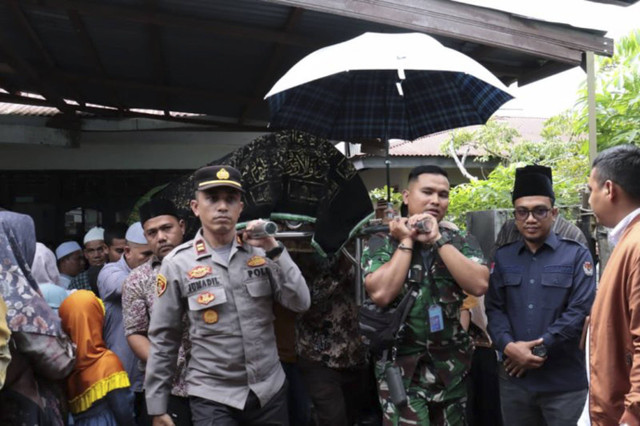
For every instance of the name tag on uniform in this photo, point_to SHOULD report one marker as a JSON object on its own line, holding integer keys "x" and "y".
{"x": 436, "y": 322}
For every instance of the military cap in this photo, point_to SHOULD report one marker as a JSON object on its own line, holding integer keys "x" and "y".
{"x": 213, "y": 176}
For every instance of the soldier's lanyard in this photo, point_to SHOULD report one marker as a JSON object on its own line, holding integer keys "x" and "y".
{"x": 436, "y": 321}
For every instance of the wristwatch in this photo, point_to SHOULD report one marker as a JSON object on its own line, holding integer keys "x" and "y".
{"x": 539, "y": 350}
{"x": 275, "y": 252}
{"x": 442, "y": 241}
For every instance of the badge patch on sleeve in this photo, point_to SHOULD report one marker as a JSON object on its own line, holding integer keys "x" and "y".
{"x": 161, "y": 284}
{"x": 588, "y": 268}
{"x": 199, "y": 272}
{"x": 256, "y": 261}
{"x": 210, "y": 316}
{"x": 205, "y": 298}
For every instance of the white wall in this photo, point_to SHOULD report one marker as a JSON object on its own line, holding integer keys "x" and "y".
{"x": 126, "y": 150}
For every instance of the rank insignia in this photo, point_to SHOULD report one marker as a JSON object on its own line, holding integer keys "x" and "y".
{"x": 199, "y": 272}
{"x": 210, "y": 316}
{"x": 161, "y": 284}
{"x": 222, "y": 174}
{"x": 588, "y": 268}
{"x": 256, "y": 261}
{"x": 200, "y": 247}
{"x": 205, "y": 298}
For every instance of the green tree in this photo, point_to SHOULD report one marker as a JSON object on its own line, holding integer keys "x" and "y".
{"x": 617, "y": 95}
{"x": 565, "y": 145}
{"x": 561, "y": 149}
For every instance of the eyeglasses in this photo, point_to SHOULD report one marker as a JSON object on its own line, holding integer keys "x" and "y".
{"x": 538, "y": 213}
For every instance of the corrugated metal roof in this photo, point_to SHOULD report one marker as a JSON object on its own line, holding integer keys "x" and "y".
{"x": 219, "y": 58}
{"x": 27, "y": 110}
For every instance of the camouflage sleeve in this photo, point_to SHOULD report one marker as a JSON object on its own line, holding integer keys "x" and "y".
{"x": 376, "y": 253}
{"x": 468, "y": 246}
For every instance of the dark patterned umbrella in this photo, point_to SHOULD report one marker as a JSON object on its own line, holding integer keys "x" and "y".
{"x": 384, "y": 86}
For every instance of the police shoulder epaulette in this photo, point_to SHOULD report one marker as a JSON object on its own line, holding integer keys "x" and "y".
{"x": 180, "y": 248}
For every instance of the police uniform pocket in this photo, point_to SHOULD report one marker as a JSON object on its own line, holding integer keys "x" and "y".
{"x": 555, "y": 287}
{"x": 207, "y": 298}
{"x": 209, "y": 313}
{"x": 259, "y": 288}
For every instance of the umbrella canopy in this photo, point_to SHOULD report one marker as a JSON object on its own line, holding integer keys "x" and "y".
{"x": 384, "y": 86}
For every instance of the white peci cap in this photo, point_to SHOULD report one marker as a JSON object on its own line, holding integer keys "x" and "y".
{"x": 94, "y": 234}
{"x": 135, "y": 234}
{"x": 66, "y": 249}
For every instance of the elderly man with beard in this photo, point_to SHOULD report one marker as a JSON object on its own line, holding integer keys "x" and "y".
{"x": 164, "y": 230}
{"x": 540, "y": 292}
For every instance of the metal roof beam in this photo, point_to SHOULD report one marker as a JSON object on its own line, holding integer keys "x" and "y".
{"x": 174, "y": 90}
{"x": 33, "y": 36}
{"x": 106, "y": 112}
{"x": 157, "y": 54}
{"x": 91, "y": 51}
{"x": 164, "y": 19}
{"x": 471, "y": 23}
{"x": 270, "y": 72}
{"x": 40, "y": 81}
{"x": 547, "y": 70}
{"x": 623, "y": 3}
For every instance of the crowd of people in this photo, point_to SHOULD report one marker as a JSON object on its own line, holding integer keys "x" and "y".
{"x": 139, "y": 326}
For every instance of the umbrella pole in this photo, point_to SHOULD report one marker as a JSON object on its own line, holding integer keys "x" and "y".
{"x": 387, "y": 163}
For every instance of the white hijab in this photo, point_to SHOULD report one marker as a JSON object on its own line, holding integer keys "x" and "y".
{"x": 44, "y": 268}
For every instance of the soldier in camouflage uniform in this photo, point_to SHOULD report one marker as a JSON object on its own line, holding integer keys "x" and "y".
{"x": 435, "y": 352}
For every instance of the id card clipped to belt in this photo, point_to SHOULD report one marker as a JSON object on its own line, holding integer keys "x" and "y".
{"x": 436, "y": 322}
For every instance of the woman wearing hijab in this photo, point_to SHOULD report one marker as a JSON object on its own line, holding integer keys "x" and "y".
{"x": 98, "y": 387}
{"x": 41, "y": 352}
{"x": 45, "y": 271}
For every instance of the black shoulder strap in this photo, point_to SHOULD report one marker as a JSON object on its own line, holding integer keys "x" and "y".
{"x": 414, "y": 284}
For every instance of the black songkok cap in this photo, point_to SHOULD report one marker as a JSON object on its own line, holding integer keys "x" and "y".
{"x": 157, "y": 207}
{"x": 213, "y": 176}
{"x": 533, "y": 180}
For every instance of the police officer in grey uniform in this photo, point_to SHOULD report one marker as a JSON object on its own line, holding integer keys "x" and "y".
{"x": 227, "y": 284}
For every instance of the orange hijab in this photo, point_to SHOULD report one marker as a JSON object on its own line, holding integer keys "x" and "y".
{"x": 98, "y": 370}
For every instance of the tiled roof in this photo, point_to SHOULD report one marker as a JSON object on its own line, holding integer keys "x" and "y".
{"x": 430, "y": 146}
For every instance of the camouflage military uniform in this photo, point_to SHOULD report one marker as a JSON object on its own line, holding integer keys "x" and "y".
{"x": 434, "y": 365}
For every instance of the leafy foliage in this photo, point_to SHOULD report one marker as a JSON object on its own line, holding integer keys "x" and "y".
{"x": 617, "y": 95}
{"x": 380, "y": 194}
{"x": 560, "y": 150}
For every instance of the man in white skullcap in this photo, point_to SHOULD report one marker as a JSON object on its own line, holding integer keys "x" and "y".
{"x": 110, "y": 281}
{"x": 70, "y": 261}
{"x": 95, "y": 249}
